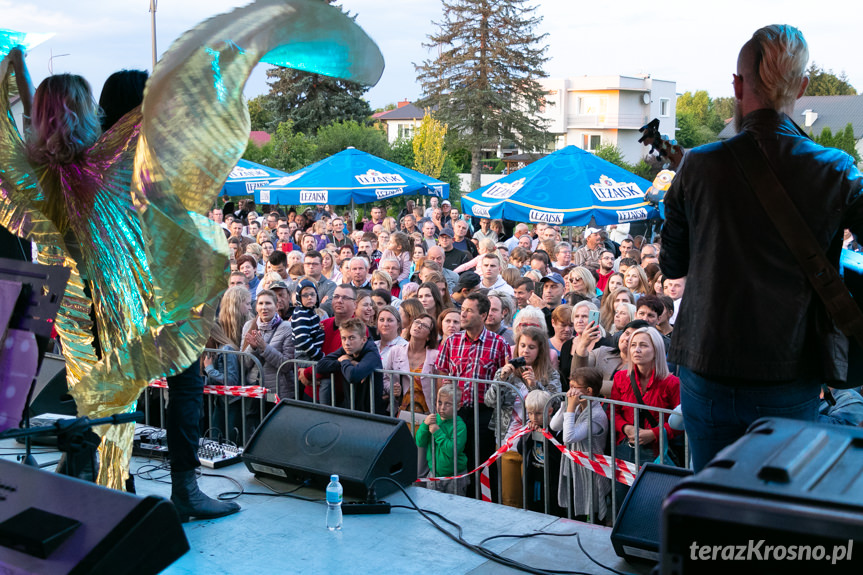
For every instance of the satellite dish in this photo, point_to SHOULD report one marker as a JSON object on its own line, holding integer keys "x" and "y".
{"x": 645, "y": 98}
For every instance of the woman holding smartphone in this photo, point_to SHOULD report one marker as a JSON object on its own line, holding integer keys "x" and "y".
{"x": 530, "y": 369}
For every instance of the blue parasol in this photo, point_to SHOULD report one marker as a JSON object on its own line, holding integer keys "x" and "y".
{"x": 570, "y": 187}
{"x": 246, "y": 177}
{"x": 349, "y": 176}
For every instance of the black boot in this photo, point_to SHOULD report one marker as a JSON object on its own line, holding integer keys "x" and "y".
{"x": 191, "y": 502}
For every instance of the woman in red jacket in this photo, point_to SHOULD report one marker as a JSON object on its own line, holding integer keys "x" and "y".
{"x": 657, "y": 387}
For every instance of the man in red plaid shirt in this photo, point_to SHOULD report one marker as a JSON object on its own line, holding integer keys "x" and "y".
{"x": 475, "y": 353}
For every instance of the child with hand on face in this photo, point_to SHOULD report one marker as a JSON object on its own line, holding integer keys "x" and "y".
{"x": 437, "y": 429}
{"x": 306, "y": 323}
{"x": 575, "y": 418}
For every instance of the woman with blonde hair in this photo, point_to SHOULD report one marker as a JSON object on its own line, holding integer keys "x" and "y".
{"x": 224, "y": 368}
{"x": 328, "y": 263}
{"x": 636, "y": 280}
{"x": 609, "y": 306}
{"x": 658, "y": 388}
{"x": 582, "y": 281}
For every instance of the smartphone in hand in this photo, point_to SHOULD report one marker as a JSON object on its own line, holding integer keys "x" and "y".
{"x": 593, "y": 316}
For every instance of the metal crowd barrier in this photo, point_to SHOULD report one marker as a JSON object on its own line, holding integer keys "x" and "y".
{"x": 243, "y": 390}
{"x": 611, "y": 412}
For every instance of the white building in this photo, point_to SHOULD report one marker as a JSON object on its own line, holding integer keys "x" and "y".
{"x": 590, "y": 111}
{"x": 402, "y": 122}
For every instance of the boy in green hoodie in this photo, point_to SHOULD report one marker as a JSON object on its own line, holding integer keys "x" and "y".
{"x": 437, "y": 430}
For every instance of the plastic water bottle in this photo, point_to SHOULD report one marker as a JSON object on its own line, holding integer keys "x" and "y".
{"x": 334, "y": 503}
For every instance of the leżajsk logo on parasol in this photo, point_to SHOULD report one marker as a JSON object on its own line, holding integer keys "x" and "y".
{"x": 287, "y": 179}
{"x": 503, "y": 190}
{"x": 608, "y": 190}
{"x": 376, "y": 178}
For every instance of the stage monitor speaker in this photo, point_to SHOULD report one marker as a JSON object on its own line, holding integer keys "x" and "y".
{"x": 637, "y": 531}
{"x": 787, "y": 497}
{"x": 51, "y": 395}
{"x": 52, "y": 524}
{"x": 300, "y": 441}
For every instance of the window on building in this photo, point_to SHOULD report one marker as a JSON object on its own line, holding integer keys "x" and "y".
{"x": 591, "y": 142}
{"x": 406, "y": 132}
{"x": 664, "y": 106}
{"x": 592, "y": 105}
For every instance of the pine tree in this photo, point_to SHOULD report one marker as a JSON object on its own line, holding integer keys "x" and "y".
{"x": 484, "y": 81}
{"x": 310, "y": 101}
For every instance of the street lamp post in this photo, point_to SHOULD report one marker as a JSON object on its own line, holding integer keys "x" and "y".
{"x": 153, "y": 28}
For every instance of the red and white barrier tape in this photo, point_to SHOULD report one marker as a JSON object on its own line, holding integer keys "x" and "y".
{"x": 254, "y": 391}
{"x": 494, "y": 457}
{"x": 601, "y": 464}
{"x": 625, "y": 471}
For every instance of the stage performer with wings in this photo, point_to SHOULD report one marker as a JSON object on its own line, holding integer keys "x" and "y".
{"x": 123, "y": 210}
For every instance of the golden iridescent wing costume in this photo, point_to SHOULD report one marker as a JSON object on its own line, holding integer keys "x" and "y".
{"x": 128, "y": 219}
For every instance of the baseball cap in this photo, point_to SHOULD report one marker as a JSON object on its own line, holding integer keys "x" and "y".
{"x": 588, "y": 231}
{"x": 467, "y": 280}
{"x": 447, "y": 231}
{"x": 278, "y": 284}
{"x": 554, "y": 277}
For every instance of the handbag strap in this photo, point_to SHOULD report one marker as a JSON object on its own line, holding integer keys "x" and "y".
{"x": 797, "y": 234}
{"x": 645, "y": 414}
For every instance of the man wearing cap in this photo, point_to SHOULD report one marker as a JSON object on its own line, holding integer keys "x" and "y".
{"x": 468, "y": 282}
{"x": 490, "y": 272}
{"x": 283, "y": 295}
{"x": 553, "y": 287}
{"x": 588, "y": 255}
{"x": 460, "y": 240}
{"x": 452, "y": 257}
{"x": 445, "y": 218}
{"x": 436, "y": 255}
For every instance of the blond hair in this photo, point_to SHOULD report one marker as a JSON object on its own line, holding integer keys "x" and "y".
{"x": 780, "y": 62}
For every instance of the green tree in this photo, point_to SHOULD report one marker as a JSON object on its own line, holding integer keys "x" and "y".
{"x": 259, "y": 113}
{"x": 826, "y": 83}
{"x": 484, "y": 80}
{"x": 259, "y": 154}
{"x": 311, "y": 101}
{"x": 724, "y": 108}
{"x": 428, "y": 145}
{"x": 292, "y": 150}
{"x": 337, "y": 136}
{"x": 843, "y": 140}
{"x": 402, "y": 152}
{"x": 611, "y": 153}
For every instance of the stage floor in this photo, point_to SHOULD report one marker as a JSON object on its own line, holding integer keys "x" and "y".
{"x": 284, "y": 535}
{"x": 281, "y": 535}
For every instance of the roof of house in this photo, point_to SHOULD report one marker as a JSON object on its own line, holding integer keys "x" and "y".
{"x": 259, "y": 138}
{"x": 834, "y": 112}
{"x": 406, "y": 112}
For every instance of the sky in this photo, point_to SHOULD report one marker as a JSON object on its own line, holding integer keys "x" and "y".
{"x": 693, "y": 43}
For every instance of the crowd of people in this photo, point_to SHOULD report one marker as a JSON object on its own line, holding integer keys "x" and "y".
{"x": 428, "y": 292}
